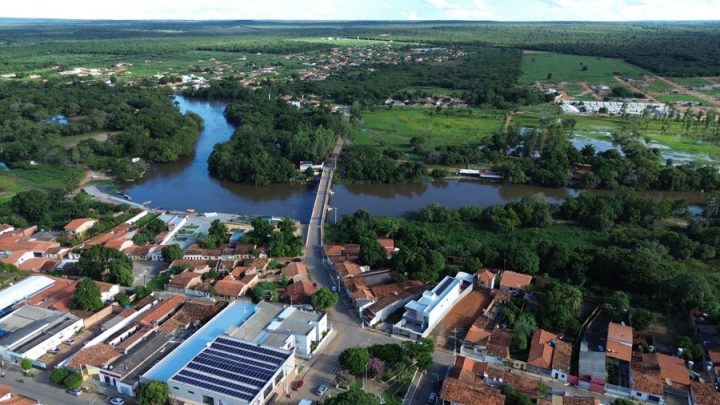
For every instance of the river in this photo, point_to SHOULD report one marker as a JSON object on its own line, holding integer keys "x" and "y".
{"x": 186, "y": 183}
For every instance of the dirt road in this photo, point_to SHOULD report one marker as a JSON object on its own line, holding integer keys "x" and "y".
{"x": 708, "y": 99}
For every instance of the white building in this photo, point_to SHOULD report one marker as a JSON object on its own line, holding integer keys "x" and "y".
{"x": 31, "y": 331}
{"x": 174, "y": 224}
{"x": 22, "y": 291}
{"x": 421, "y": 316}
{"x": 286, "y": 328}
{"x": 233, "y": 371}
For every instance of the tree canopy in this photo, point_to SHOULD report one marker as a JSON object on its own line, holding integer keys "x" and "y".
{"x": 87, "y": 296}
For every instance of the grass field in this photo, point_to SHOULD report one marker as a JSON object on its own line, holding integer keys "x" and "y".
{"x": 568, "y": 68}
{"x": 70, "y": 141}
{"x": 574, "y": 89}
{"x": 690, "y": 81}
{"x": 395, "y": 127}
{"x": 657, "y": 87}
{"x": 679, "y": 98}
{"x": 44, "y": 177}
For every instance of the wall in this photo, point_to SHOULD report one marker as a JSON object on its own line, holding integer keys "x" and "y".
{"x": 97, "y": 316}
{"x": 53, "y": 341}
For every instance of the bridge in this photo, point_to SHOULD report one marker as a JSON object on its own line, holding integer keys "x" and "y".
{"x": 315, "y": 232}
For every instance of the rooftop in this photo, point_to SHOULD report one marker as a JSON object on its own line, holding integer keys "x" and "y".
{"x": 620, "y": 333}
{"x": 99, "y": 356}
{"x": 704, "y": 393}
{"x": 674, "y": 369}
{"x": 499, "y": 343}
{"x": 77, "y": 223}
{"x": 294, "y": 269}
{"x": 23, "y": 290}
{"x": 562, "y": 356}
{"x": 232, "y": 367}
{"x": 518, "y": 281}
{"x": 143, "y": 351}
{"x": 459, "y": 392}
{"x": 542, "y": 346}
{"x": 646, "y": 374}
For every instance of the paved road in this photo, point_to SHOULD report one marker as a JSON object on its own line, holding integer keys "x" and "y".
{"x": 40, "y": 389}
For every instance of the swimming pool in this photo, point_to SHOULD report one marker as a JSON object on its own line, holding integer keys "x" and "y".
{"x": 233, "y": 315}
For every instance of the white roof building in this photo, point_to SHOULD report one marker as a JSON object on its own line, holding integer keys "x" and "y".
{"x": 22, "y": 291}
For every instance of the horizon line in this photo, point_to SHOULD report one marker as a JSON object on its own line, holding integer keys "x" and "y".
{"x": 346, "y": 20}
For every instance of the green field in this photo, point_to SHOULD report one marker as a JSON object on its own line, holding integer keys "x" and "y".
{"x": 679, "y": 98}
{"x": 690, "y": 81}
{"x": 395, "y": 127}
{"x": 574, "y": 89}
{"x": 568, "y": 68}
{"x": 44, "y": 177}
{"x": 70, "y": 141}
{"x": 657, "y": 87}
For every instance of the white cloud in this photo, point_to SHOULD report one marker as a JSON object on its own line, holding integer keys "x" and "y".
{"x": 459, "y": 10}
{"x": 629, "y": 10}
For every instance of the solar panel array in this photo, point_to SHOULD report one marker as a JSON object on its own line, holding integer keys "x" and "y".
{"x": 233, "y": 368}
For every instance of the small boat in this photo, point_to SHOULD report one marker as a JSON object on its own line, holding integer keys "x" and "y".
{"x": 148, "y": 202}
{"x": 127, "y": 197}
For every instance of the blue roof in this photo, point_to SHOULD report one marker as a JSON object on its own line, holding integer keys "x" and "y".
{"x": 234, "y": 315}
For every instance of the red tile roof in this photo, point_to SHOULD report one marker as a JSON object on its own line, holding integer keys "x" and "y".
{"x": 161, "y": 310}
{"x": 470, "y": 394}
{"x": 77, "y": 223}
{"x": 704, "y": 393}
{"x": 185, "y": 279}
{"x": 673, "y": 368}
{"x": 388, "y": 244}
{"x": 99, "y": 356}
{"x": 511, "y": 279}
{"x": 562, "y": 356}
{"x": 229, "y": 287}
{"x": 485, "y": 275}
{"x": 480, "y": 331}
{"x": 299, "y": 292}
{"x": 294, "y": 269}
{"x": 499, "y": 343}
{"x": 541, "y": 349}
{"x": 646, "y": 374}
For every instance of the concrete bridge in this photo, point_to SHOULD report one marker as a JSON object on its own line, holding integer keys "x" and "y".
{"x": 314, "y": 234}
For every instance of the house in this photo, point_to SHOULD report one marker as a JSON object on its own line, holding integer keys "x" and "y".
{"x": 78, "y": 227}
{"x": 388, "y": 298}
{"x": 514, "y": 283}
{"x": 561, "y": 361}
{"x": 592, "y": 371}
{"x": 389, "y": 246}
{"x": 542, "y": 347}
{"x": 673, "y": 369}
{"x": 703, "y": 391}
{"x": 5, "y": 228}
{"x": 295, "y": 271}
{"x": 186, "y": 283}
{"x": 485, "y": 279}
{"x": 647, "y": 384}
{"x": 285, "y": 327}
{"x": 120, "y": 244}
{"x": 299, "y": 292}
{"x": 618, "y": 351}
{"x": 498, "y": 346}
{"x": 465, "y": 385}
{"x": 108, "y": 291}
{"x": 422, "y": 315}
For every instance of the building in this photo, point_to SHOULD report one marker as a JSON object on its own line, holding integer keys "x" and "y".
{"x": 285, "y": 328}
{"x": 592, "y": 371}
{"x": 703, "y": 391}
{"x": 186, "y": 283}
{"x": 231, "y": 288}
{"x": 465, "y": 385}
{"x": 515, "y": 283}
{"x": 233, "y": 371}
{"x": 295, "y": 271}
{"x": 299, "y": 292}
{"x": 389, "y": 298}
{"x": 422, "y": 315}
{"x": 174, "y": 224}
{"x": 561, "y": 361}
{"x": 486, "y": 279}
{"x": 542, "y": 348}
{"x": 647, "y": 384}
{"x": 30, "y": 331}
{"x": 674, "y": 371}
{"x": 22, "y": 291}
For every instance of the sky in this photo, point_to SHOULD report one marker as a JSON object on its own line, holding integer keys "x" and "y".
{"x": 500, "y": 10}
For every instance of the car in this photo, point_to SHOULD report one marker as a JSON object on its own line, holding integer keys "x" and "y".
{"x": 117, "y": 401}
{"x": 432, "y": 398}
{"x": 69, "y": 341}
{"x": 54, "y": 350}
{"x": 334, "y": 288}
{"x": 321, "y": 389}
{"x": 298, "y": 385}
{"x": 74, "y": 391}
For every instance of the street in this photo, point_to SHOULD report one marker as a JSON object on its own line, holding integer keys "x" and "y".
{"x": 41, "y": 389}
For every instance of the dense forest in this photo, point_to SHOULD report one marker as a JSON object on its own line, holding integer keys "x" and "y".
{"x": 486, "y": 76}
{"x": 272, "y": 137}
{"x": 35, "y": 118}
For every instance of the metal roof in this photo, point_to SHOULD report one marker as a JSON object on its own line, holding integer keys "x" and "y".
{"x": 23, "y": 290}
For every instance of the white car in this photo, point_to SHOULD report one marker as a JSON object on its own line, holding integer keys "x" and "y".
{"x": 117, "y": 401}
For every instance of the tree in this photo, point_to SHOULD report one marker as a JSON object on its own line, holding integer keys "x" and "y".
{"x": 371, "y": 252}
{"x": 421, "y": 352}
{"x": 156, "y": 226}
{"x": 122, "y": 299}
{"x": 513, "y": 397}
{"x": 616, "y": 304}
{"x": 323, "y": 299}
{"x": 155, "y": 393}
{"x": 559, "y": 305}
{"x": 31, "y": 205}
{"x": 87, "y": 296}
{"x": 95, "y": 261}
{"x": 355, "y": 359}
{"x": 73, "y": 381}
{"x": 524, "y": 327}
{"x": 354, "y": 396}
{"x": 58, "y": 375}
{"x": 642, "y": 319}
{"x": 26, "y": 364}
{"x": 173, "y": 252}
{"x": 343, "y": 377}
{"x": 261, "y": 230}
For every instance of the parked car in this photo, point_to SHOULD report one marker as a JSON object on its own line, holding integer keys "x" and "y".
{"x": 321, "y": 389}
{"x": 432, "y": 398}
{"x": 298, "y": 385}
{"x": 54, "y": 350}
{"x": 69, "y": 341}
{"x": 75, "y": 391}
{"x": 117, "y": 401}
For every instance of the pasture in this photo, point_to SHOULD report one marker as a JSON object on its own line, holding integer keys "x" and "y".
{"x": 569, "y": 68}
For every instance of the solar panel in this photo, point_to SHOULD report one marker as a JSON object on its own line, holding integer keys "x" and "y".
{"x": 247, "y": 353}
{"x": 269, "y": 367}
{"x": 214, "y": 388}
{"x": 230, "y": 376}
{"x": 242, "y": 370}
{"x": 221, "y": 383}
{"x": 255, "y": 348}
